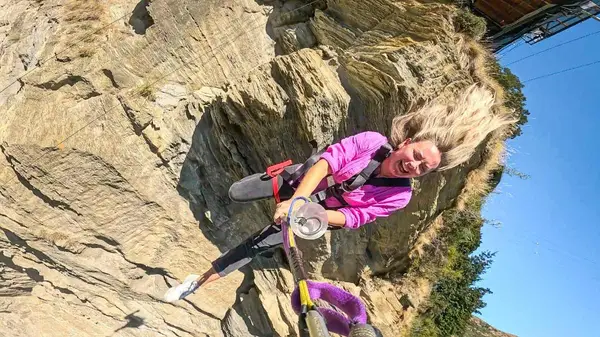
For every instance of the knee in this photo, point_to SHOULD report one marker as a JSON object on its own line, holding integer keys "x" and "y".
{"x": 238, "y": 191}
{"x": 235, "y": 193}
{"x": 251, "y": 188}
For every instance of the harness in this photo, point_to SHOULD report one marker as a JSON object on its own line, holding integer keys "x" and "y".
{"x": 336, "y": 190}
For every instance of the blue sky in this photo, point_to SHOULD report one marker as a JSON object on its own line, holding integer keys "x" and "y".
{"x": 546, "y": 274}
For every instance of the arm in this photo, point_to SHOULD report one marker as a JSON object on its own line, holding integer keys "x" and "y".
{"x": 312, "y": 179}
{"x": 336, "y": 218}
{"x": 308, "y": 184}
{"x": 359, "y": 216}
{"x": 335, "y": 157}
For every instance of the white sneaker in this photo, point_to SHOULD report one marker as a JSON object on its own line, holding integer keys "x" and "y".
{"x": 188, "y": 286}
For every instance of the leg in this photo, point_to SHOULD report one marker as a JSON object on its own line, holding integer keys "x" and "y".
{"x": 259, "y": 186}
{"x": 233, "y": 259}
{"x": 239, "y": 256}
{"x": 208, "y": 276}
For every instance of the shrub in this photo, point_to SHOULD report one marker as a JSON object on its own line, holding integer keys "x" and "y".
{"x": 514, "y": 98}
{"x": 454, "y": 296}
{"x": 470, "y": 24}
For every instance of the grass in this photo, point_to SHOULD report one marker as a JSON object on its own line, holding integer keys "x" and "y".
{"x": 147, "y": 92}
{"x": 476, "y": 61}
{"x": 83, "y": 11}
{"x": 86, "y": 52}
{"x": 428, "y": 239}
{"x": 84, "y": 19}
{"x": 431, "y": 255}
{"x": 470, "y": 24}
{"x": 478, "y": 181}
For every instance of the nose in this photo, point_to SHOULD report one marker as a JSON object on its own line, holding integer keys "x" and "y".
{"x": 411, "y": 165}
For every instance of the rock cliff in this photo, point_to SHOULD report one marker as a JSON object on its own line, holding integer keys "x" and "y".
{"x": 123, "y": 123}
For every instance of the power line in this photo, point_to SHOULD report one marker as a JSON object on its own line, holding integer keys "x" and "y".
{"x": 558, "y": 45}
{"x": 562, "y": 71}
{"x": 184, "y": 64}
{"x": 509, "y": 47}
{"x": 42, "y": 62}
{"x": 515, "y": 46}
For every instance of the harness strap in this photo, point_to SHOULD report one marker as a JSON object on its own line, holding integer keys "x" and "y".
{"x": 331, "y": 191}
{"x": 365, "y": 177}
{"x": 360, "y": 179}
{"x": 389, "y": 182}
{"x": 292, "y": 178}
{"x": 273, "y": 171}
{"x": 336, "y": 190}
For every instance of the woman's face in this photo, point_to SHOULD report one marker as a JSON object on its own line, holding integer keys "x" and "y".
{"x": 411, "y": 160}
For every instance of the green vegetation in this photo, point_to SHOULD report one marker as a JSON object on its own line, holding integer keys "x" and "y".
{"x": 455, "y": 273}
{"x": 470, "y": 24}
{"x": 478, "y": 328}
{"x": 513, "y": 172}
{"x": 147, "y": 92}
{"x": 514, "y": 97}
{"x": 475, "y": 26}
{"x": 449, "y": 261}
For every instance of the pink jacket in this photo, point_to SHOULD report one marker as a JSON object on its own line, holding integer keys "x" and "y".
{"x": 349, "y": 157}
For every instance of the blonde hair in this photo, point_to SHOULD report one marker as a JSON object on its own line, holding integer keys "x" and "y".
{"x": 456, "y": 129}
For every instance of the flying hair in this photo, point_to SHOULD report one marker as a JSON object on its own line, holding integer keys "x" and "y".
{"x": 456, "y": 129}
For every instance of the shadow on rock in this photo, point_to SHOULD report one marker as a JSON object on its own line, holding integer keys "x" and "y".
{"x": 133, "y": 321}
{"x": 206, "y": 174}
{"x": 141, "y": 19}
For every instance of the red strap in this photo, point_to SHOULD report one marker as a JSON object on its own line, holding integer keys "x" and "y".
{"x": 273, "y": 171}
{"x": 275, "y": 189}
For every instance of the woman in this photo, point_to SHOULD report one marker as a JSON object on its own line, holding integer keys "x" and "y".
{"x": 436, "y": 137}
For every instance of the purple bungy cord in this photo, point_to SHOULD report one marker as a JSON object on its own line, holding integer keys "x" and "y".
{"x": 286, "y": 242}
{"x": 341, "y": 299}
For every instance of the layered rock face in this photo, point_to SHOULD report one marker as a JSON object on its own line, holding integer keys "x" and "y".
{"x": 123, "y": 124}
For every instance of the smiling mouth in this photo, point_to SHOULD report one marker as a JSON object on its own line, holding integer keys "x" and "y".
{"x": 401, "y": 167}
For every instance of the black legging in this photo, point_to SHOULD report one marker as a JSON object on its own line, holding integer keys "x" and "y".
{"x": 252, "y": 188}
{"x": 239, "y": 256}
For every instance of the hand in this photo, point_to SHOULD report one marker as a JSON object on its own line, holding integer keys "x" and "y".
{"x": 281, "y": 211}
{"x": 283, "y": 207}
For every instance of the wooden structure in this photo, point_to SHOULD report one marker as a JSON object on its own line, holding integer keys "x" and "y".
{"x": 532, "y": 20}
{"x": 506, "y": 12}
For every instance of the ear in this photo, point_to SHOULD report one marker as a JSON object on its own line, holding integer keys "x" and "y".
{"x": 404, "y": 143}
